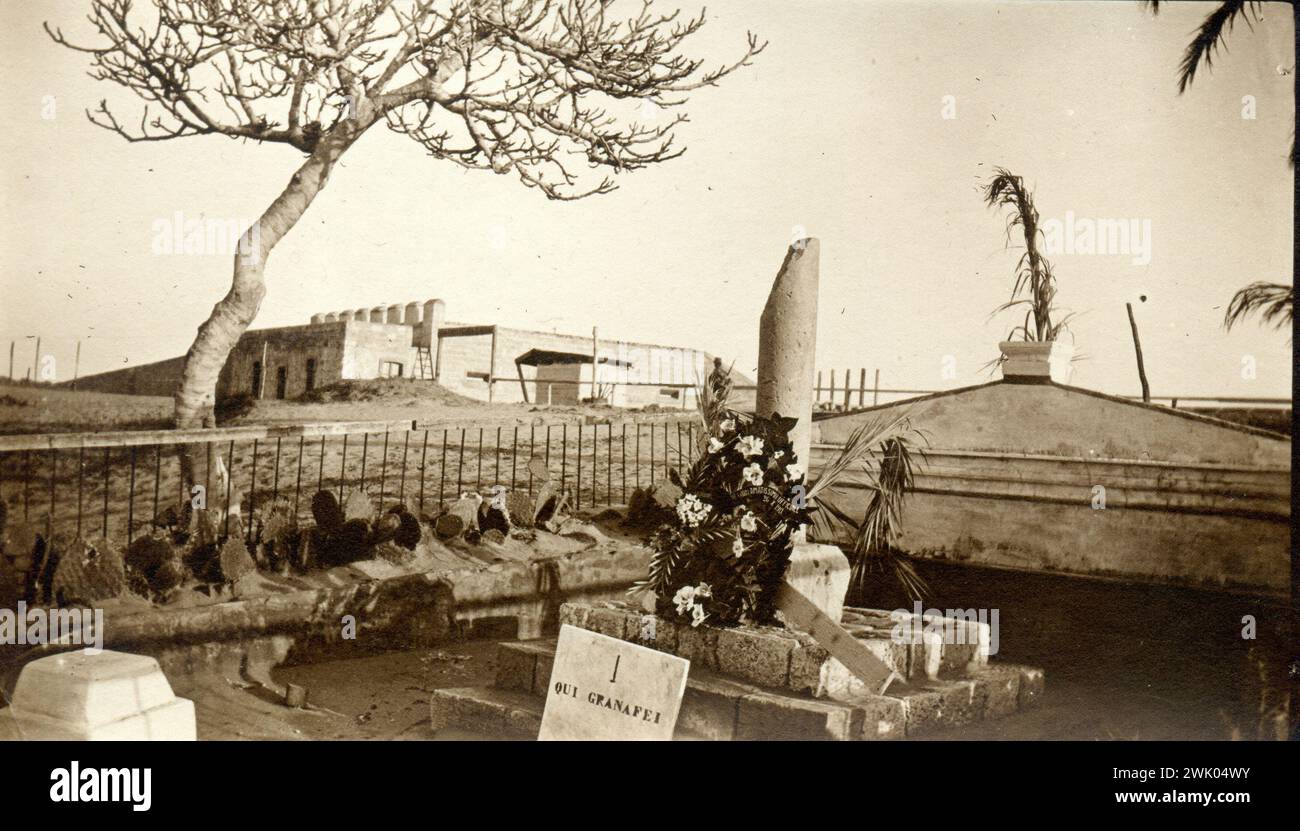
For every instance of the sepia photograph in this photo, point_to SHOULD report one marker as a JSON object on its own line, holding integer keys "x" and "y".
{"x": 635, "y": 370}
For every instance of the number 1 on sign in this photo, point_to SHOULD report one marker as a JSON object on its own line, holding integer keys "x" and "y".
{"x": 612, "y": 678}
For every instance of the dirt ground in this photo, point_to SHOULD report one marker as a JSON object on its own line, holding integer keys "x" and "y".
{"x": 43, "y": 409}
{"x": 387, "y": 697}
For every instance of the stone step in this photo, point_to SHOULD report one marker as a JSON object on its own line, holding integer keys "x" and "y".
{"x": 783, "y": 659}
{"x": 722, "y": 708}
{"x": 497, "y": 713}
{"x": 490, "y": 711}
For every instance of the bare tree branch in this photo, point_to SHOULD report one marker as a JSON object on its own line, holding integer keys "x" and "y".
{"x": 548, "y": 90}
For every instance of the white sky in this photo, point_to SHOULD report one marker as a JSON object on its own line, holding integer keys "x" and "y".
{"x": 837, "y": 129}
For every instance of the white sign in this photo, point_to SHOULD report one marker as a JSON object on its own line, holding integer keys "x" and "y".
{"x": 603, "y": 688}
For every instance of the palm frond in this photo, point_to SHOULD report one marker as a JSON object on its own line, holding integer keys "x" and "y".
{"x": 1210, "y": 37}
{"x": 1035, "y": 283}
{"x": 1273, "y": 301}
{"x": 874, "y": 549}
{"x": 711, "y": 394}
{"x": 863, "y": 444}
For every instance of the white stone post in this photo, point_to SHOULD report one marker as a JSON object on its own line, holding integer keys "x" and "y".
{"x": 787, "y": 354}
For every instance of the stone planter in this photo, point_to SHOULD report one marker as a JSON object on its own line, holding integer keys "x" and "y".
{"x": 1036, "y": 362}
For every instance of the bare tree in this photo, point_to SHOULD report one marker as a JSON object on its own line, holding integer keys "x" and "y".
{"x": 547, "y": 90}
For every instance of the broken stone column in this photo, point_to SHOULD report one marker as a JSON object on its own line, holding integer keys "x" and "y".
{"x": 787, "y": 353}
{"x": 787, "y": 344}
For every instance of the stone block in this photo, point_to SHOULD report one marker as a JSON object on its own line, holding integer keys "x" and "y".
{"x": 542, "y": 673}
{"x": 709, "y": 709}
{"x": 821, "y": 574}
{"x": 963, "y": 702}
{"x": 699, "y": 645}
{"x": 1002, "y": 689}
{"x": 768, "y": 717}
{"x": 922, "y": 709}
{"x": 514, "y": 668}
{"x": 606, "y": 621}
{"x": 808, "y": 668}
{"x": 654, "y": 632}
{"x": 883, "y": 718}
{"x": 755, "y": 655}
{"x": 574, "y": 614}
{"x": 1031, "y": 686}
{"x": 486, "y": 711}
{"x": 100, "y": 695}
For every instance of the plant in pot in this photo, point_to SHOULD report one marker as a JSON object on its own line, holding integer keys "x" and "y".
{"x": 1033, "y": 350}
{"x": 737, "y": 510}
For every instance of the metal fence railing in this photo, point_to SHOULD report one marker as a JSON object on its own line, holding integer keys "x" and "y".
{"x": 118, "y": 484}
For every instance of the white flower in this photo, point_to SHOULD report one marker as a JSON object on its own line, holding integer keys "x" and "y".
{"x": 691, "y": 510}
{"x": 749, "y": 522}
{"x": 727, "y": 425}
{"x": 697, "y": 616}
{"x": 715, "y": 445}
{"x": 780, "y": 454}
{"x": 738, "y": 547}
{"x": 703, "y": 590}
{"x": 753, "y": 474}
{"x": 794, "y": 473}
{"x": 684, "y": 599}
{"x": 749, "y": 446}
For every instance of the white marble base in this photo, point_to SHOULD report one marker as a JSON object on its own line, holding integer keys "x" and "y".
{"x": 99, "y": 696}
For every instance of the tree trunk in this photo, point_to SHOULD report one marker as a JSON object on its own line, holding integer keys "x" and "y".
{"x": 218, "y": 335}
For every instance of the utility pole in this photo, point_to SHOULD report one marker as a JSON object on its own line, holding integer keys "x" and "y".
{"x": 36, "y": 361}
{"x": 1137, "y": 347}
{"x": 261, "y": 378}
{"x": 76, "y": 365}
{"x": 594, "y": 350}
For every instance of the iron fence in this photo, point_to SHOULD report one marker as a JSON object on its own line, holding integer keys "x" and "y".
{"x": 120, "y": 484}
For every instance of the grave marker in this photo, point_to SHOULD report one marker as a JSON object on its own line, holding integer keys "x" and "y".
{"x": 605, "y": 689}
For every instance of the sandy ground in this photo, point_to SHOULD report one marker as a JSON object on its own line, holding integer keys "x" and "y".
{"x": 41, "y": 409}
{"x": 387, "y": 697}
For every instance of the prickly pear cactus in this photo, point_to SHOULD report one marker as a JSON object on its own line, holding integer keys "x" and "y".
{"x": 326, "y": 512}
{"x": 88, "y": 572}
{"x": 235, "y": 560}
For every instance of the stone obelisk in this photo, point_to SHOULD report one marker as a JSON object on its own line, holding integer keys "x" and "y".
{"x": 787, "y": 343}
{"x": 787, "y": 355}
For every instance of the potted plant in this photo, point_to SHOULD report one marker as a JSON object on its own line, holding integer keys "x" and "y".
{"x": 1032, "y": 351}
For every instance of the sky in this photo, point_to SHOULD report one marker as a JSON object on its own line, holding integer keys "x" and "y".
{"x": 870, "y": 126}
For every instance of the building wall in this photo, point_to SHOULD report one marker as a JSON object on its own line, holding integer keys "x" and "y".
{"x": 159, "y": 378}
{"x": 631, "y": 374}
{"x": 459, "y": 356}
{"x": 1058, "y": 479}
{"x": 463, "y": 360}
{"x": 289, "y": 347}
{"x": 368, "y": 345}
{"x": 1069, "y": 421}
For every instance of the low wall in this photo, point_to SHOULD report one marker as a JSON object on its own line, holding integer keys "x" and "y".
{"x": 1057, "y": 479}
{"x": 158, "y": 378}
